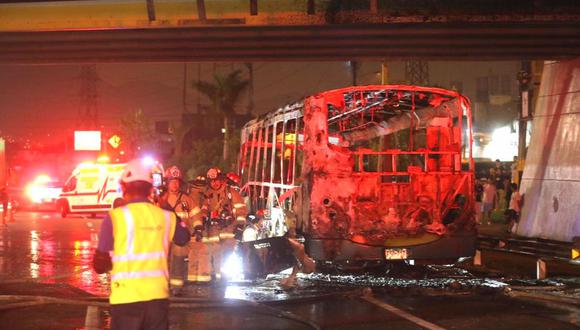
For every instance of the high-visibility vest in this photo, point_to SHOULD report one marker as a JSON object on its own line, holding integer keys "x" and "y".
{"x": 142, "y": 234}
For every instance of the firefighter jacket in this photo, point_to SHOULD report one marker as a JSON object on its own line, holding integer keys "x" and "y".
{"x": 214, "y": 202}
{"x": 142, "y": 234}
{"x": 183, "y": 206}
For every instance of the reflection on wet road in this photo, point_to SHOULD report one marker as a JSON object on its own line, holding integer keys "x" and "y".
{"x": 55, "y": 255}
{"x": 46, "y": 248}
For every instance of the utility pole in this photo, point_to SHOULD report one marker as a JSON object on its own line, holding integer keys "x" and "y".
{"x": 384, "y": 73}
{"x": 198, "y": 110}
{"x": 524, "y": 78}
{"x": 417, "y": 72}
{"x": 250, "y": 108}
{"x": 354, "y": 66}
{"x": 184, "y": 96}
{"x": 88, "y": 115}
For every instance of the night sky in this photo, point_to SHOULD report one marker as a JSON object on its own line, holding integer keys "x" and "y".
{"x": 42, "y": 100}
{"x": 39, "y": 100}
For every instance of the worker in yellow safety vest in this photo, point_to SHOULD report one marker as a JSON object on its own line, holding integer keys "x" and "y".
{"x": 177, "y": 201}
{"x": 222, "y": 213}
{"x": 134, "y": 242}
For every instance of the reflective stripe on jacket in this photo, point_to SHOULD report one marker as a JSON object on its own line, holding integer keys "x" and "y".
{"x": 142, "y": 234}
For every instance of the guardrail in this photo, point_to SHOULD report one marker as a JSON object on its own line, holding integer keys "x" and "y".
{"x": 542, "y": 249}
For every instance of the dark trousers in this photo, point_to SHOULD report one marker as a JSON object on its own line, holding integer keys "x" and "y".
{"x": 146, "y": 315}
{"x": 178, "y": 269}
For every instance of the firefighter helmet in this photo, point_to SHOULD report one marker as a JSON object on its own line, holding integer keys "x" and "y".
{"x": 213, "y": 173}
{"x": 173, "y": 173}
{"x": 138, "y": 170}
{"x": 233, "y": 178}
{"x": 252, "y": 219}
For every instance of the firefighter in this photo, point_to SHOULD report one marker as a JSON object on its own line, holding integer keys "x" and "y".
{"x": 175, "y": 200}
{"x": 221, "y": 215}
{"x": 4, "y": 200}
{"x": 254, "y": 230}
{"x": 133, "y": 245}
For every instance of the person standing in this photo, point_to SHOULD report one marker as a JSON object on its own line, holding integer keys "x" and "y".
{"x": 175, "y": 200}
{"x": 134, "y": 244}
{"x": 478, "y": 199}
{"x": 4, "y": 201}
{"x": 501, "y": 203}
{"x": 514, "y": 209}
{"x": 489, "y": 200}
{"x": 515, "y": 178}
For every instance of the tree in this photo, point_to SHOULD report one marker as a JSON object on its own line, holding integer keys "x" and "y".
{"x": 224, "y": 93}
{"x": 138, "y": 133}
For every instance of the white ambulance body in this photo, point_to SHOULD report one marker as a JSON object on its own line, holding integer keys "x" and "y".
{"x": 92, "y": 188}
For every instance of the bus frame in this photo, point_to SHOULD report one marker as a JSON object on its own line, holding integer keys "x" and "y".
{"x": 308, "y": 168}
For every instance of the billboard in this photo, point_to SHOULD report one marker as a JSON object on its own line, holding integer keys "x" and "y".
{"x": 88, "y": 140}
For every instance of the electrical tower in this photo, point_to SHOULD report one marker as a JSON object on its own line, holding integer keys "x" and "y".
{"x": 417, "y": 72}
{"x": 88, "y": 108}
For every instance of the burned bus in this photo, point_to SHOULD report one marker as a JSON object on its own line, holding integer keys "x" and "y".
{"x": 365, "y": 174}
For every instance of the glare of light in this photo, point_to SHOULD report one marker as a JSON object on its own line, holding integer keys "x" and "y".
{"x": 34, "y": 270}
{"x": 503, "y": 144}
{"x": 232, "y": 267}
{"x": 223, "y": 130}
{"x": 77, "y": 250}
{"x": 250, "y": 234}
{"x": 148, "y": 160}
{"x": 34, "y": 247}
{"x": 43, "y": 178}
{"x": 234, "y": 292}
{"x": 286, "y": 271}
{"x": 103, "y": 159}
{"x": 85, "y": 164}
{"x": 38, "y": 192}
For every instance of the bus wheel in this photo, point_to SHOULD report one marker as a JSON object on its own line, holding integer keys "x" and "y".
{"x": 64, "y": 210}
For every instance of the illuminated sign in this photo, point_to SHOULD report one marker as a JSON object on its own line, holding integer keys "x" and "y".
{"x": 88, "y": 140}
{"x": 115, "y": 141}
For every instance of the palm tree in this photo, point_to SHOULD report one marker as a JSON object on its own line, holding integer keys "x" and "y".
{"x": 224, "y": 92}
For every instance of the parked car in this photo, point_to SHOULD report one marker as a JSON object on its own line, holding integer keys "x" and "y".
{"x": 43, "y": 192}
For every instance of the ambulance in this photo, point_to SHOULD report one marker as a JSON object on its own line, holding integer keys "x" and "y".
{"x": 92, "y": 188}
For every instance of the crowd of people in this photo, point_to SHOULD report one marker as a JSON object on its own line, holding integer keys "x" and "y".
{"x": 499, "y": 192}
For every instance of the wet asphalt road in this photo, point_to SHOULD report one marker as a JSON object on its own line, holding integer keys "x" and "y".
{"x": 42, "y": 254}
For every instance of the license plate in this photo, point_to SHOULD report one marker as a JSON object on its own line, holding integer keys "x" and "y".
{"x": 395, "y": 254}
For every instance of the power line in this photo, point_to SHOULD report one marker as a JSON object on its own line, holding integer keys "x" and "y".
{"x": 88, "y": 108}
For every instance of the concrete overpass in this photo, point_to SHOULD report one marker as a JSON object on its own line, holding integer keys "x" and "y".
{"x": 283, "y": 30}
